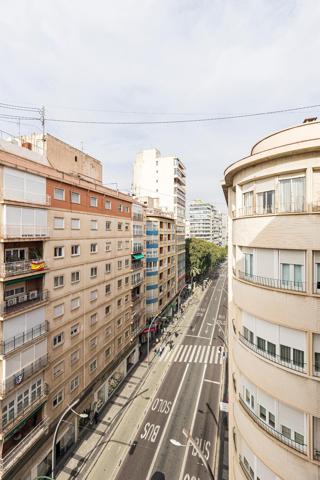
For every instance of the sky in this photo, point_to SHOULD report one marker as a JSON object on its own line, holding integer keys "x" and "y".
{"x": 151, "y": 60}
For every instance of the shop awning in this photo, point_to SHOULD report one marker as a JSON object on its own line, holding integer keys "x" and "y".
{"x": 24, "y": 279}
{"x": 138, "y": 256}
{"x": 23, "y": 421}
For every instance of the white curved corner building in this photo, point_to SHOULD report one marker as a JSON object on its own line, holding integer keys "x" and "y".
{"x": 273, "y": 199}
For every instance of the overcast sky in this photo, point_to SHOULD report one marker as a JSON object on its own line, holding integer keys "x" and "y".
{"x": 131, "y": 60}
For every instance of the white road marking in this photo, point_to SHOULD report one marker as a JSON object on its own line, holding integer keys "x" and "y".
{"x": 199, "y": 349}
{"x": 192, "y": 353}
{"x": 212, "y": 354}
{"x": 178, "y": 353}
{"x": 203, "y": 351}
{"x": 211, "y": 381}
{"x": 183, "y": 353}
{"x": 205, "y": 315}
{"x": 187, "y": 354}
{"x": 207, "y": 354}
{"x": 217, "y": 355}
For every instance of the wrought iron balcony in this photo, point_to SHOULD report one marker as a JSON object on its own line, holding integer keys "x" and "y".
{"x": 273, "y": 358}
{"x": 16, "y": 379}
{"x": 300, "y": 447}
{"x": 24, "y": 300}
{"x": 23, "y": 266}
{"x": 273, "y": 282}
{"x": 20, "y": 339}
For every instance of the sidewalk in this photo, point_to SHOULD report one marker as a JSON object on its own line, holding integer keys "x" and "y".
{"x": 102, "y": 451}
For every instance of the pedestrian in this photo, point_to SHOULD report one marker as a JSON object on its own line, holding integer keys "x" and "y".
{"x": 96, "y": 417}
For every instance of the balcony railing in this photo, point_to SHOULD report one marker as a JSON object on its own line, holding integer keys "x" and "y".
{"x": 11, "y": 458}
{"x": 300, "y": 447}
{"x": 15, "y": 380}
{"x": 297, "y": 206}
{"x": 26, "y": 410}
{"x": 245, "y": 470}
{"x": 23, "y": 300}
{"x": 138, "y": 217}
{"x": 137, "y": 280}
{"x": 273, "y": 358}
{"x": 273, "y": 282}
{"x": 137, "y": 248}
{"x": 316, "y": 370}
{"x": 135, "y": 299}
{"x": 316, "y": 454}
{"x": 25, "y": 231}
{"x": 138, "y": 233}
{"x": 23, "y": 266}
{"x": 136, "y": 265}
{"x": 17, "y": 341}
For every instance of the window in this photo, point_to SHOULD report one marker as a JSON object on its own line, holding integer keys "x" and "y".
{"x": 75, "y": 197}
{"x": 93, "y": 272}
{"x": 108, "y": 289}
{"x": 75, "y": 277}
{"x": 93, "y": 202}
{"x": 58, "y": 252}
{"x": 108, "y": 331}
{"x": 271, "y": 349}
{"x": 108, "y": 267}
{"x": 272, "y": 420}
{"x": 126, "y": 281}
{"x": 119, "y": 341}
{"x": 74, "y": 357}
{"x": 107, "y": 205}
{"x": 75, "y": 303}
{"x": 75, "y": 223}
{"x": 292, "y": 194}
{"x": 108, "y": 246}
{"x": 58, "y": 339}
{"x": 75, "y": 382}
{"x": 75, "y": 250}
{"x": 263, "y": 413}
{"x": 119, "y": 225}
{"x": 108, "y": 352}
{"x": 127, "y": 244}
{"x": 119, "y": 322}
{"x": 247, "y": 203}
{"x": 126, "y": 262}
{"x": 285, "y": 353}
{"x": 317, "y": 361}
{"x": 93, "y": 295}
{"x": 94, "y": 224}
{"x": 93, "y": 248}
{"x": 120, "y": 207}
{"x": 126, "y": 299}
{"x": 265, "y": 202}
{"x": 58, "y": 223}
{"x": 58, "y": 369}
{"x": 261, "y": 343}
{"x": 75, "y": 329}
{"x": 58, "y": 281}
{"x": 248, "y": 335}
{"x": 119, "y": 244}
{"x": 119, "y": 302}
{"x": 93, "y": 342}
{"x": 298, "y": 438}
{"x": 127, "y": 209}
{"x": 108, "y": 225}
{"x": 126, "y": 334}
{"x": 57, "y": 399}
{"x": 119, "y": 284}
{"x": 126, "y": 227}
{"x": 248, "y": 264}
{"x": 58, "y": 194}
{"x": 93, "y": 366}
{"x": 286, "y": 432}
{"x": 298, "y": 357}
{"x": 107, "y": 310}
{"x": 93, "y": 319}
{"x": 119, "y": 264}
{"x": 58, "y": 310}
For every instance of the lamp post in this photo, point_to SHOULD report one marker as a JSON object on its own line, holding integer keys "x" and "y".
{"x": 148, "y": 338}
{"x": 68, "y": 409}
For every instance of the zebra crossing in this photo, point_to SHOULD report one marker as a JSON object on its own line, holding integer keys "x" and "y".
{"x": 196, "y": 354}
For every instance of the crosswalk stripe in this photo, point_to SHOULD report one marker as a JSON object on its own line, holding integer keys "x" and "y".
{"x": 207, "y": 354}
{"x": 199, "y": 349}
{"x": 193, "y": 352}
{"x": 178, "y": 353}
{"x": 203, "y": 351}
{"x": 217, "y": 355}
{"x": 212, "y": 354}
{"x": 187, "y": 353}
{"x": 183, "y": 351}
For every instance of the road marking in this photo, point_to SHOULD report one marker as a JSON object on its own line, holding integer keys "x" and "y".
{"x": 183, "y": 352}
{"x": 203, "y": 351}
{"x": 207, "y": 354}
{"x": 192, "y": 353}
{"x": 199, "y": 349}
{"x": 199, "y": 354}
{"x": 178, "y": 352}
{"x": 211, "y": 381}
{"x": 217, "y": 355}
{"x": 166, "y": 424}
{"x": 212, "y": 355}
{"x": 207, "y": 309}
{"x": 197, "y": 336}
{"x": 187, "y": 354}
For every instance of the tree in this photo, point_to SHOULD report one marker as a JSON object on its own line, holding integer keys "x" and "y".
{"x": 202, "y": 257}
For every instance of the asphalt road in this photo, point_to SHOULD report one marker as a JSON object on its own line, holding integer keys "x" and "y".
{"x": 188, "y": 398}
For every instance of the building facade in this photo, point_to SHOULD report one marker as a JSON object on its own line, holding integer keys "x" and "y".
{"x": 72, "y": 296}
{"x": 273, "y": 198}
{"x": 164, "y": 177}
{"x": 205, "y": 222}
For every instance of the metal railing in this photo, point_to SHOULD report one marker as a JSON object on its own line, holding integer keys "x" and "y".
{"x": 136, "y": 299}
{"x": 244, "y": 469}
{"x": 273, "y": 282}
{"x": 138, "y": 217}
{"x": 137, "y": 248}
{"x": 20, "y": 267}
{"x": 297, "y": 206}
{"x": 136, "y": 265}
{"x": 17, "y": 341}
{"x": 137, "y": 280}
{"x": 300, "y": 447}
{"x": 273, "y": 358}
{"x": 316, "y": 370}
{"x": 24, "y": 231}
{"x": 23, "y": 445}
{"x": 26, "y": 410}
{"x": 316, "y": 454}
{"x": 23, "y": 300}
{"x": 137, "y": 233}
{"x": 16, "y": 379}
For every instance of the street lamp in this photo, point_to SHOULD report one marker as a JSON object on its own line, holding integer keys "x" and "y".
{"x": 148, "y": 338}
{"x": 68, "y": 409}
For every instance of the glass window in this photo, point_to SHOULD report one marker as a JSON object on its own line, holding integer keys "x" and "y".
{"x": 248, "y": 264}
{"x": 108, "y": 267}
{"x": 57, "y": 399}
{"x": 58, "y": 252}
{"x": 292, "y": 194}
{"x": 285, "y": 353}
{"x": 298, "y": 357}
{"x": 58, "y": 281}
{"x": 93, "y": 366}
{"x": 93, "y": 295}
{"x": 108, "y": 246}
{"x": 262, "y": 413}
{"x": 286, "y": 431}
{"x": 58, "y": 194}
{"x": 317, "y": 361}
{"x": 74, "y": 357}
{"x": 75, "y": 277}
{"x": 265, "y": 202}
{"x": 285, "y": 274}
{"x": 107, "y": 205}
{"x": 247, "y": 201}
{"x": 298, "y": 438}
{"x": 108, "y": 289}
{"x": 75, "y": 223}
{"x": 75, "y": 382}
{"x": 261, "y": 343}
{"x": 93, "y": 202}
{"x": 297, "y": 271}
{"x": 58, "y": 339}
{"x": 58, "y": 223}
{"x": 75, "y": 329}
{"x": 272, "y": 420}
{"x": 58, "y": 310}
{"x": 94, "y": 224}
{"x": 108, "y": 225}
{"x": 75, "y": 250}
{"x": 93, "y": 272}
{"x": 75, "y": 303}
{"x": 271, "y": 349}
{"x": 75, "y": 197}
{"x": 93, "y": 319}
{"x": 107, "y": 310}
{"x": 93, "y": 248}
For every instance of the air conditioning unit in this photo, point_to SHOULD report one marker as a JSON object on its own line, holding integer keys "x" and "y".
{"x": 11, "y": 301}
{"x": 33, "y": 294}
{"x": 22, "y": 298}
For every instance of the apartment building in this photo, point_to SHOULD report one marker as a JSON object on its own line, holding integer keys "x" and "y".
{"x": 164, "y": 177}
{"x": 273, "y": 197}
{"x": 205, "y": 222}
{"x": 69, "y": 317}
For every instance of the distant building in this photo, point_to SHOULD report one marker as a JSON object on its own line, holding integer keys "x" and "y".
{"x": 205, "y": 222}
{"x": 164, "y": 177}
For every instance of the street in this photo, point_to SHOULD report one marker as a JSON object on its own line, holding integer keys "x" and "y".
{"x": 188, "y": 398}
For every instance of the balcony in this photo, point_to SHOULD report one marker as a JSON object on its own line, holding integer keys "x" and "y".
{"x": 136, "y": 265}
{"x": 137, "y": 248}
{"x": 273, "y": 282}
{"x": 296, "y": 206}
{"x": 136, "y": 299}
{"x": 138, "y": 217}
{"x": 25, "y": 231}
{"x": 273, "y": 358}
{"x": 24, "y": 300}
{"x": 21, "y": 267}
{"x": 249, "y": 475}
{"x": 299, "y": 447}
{"x": 136, "y": 280}
{"x": 11, "y": 344}
{"x": 15, "y": 380}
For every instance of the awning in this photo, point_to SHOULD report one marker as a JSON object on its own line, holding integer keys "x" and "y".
{"x": 24, "y": 279}
{"x": 138, "y": 256}
{"x": 23, "y": 422}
